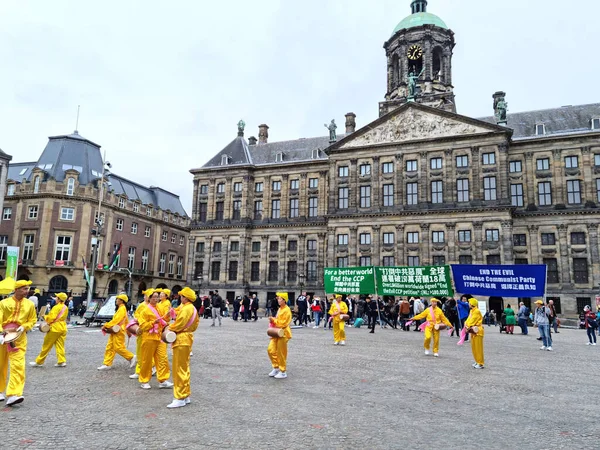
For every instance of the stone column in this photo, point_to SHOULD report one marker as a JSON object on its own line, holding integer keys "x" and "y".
{"x": 191, "y": 260}
{"x": 195, "y": 201}
{"x": 475, "y": 183}
{"x": 535, "y": 256}
{"x": 264, "y": 258}
{"x": 558, "y": 179}
{"x": 390, "y": 74}
{"x": 225, "y": 258}
{"x": 423, "y": 180}
{"x": 353, "y": 247}
{"x": 303, "y": 198}
{"x": 228, "y": 209}
{"x": 211, "y": 202}
{"x": 595, "y": 259}
{"x": 332, "y": 188}
{"x": 529, "y": 183}
{"x": 354, "y": 190}
{"x": 428, "y": 61}
{"x": 507, "y": 242}
{"x": 504, "y": 197}
{"x": 321, "y": 259}
{"x": 399, "y": 201}
{"x": 283, "y": 259}
{"x": 375, "y": 186}
{"x": 589, "y": 185}
{"x": 330, "y": 250}
{"x": 248, "y": 199}
{"x": 564, "y": 267}
{"x": 451, "y": 240}
{"x": 376, "y": 246}
{"x": 450, "y": 180}
{"x": 477, "y": 238}
{"x": 285, "y": 196}
{"x": 425, "y": 245}
{"x": 323, "y": 192}
{"x": 400, "y": 254}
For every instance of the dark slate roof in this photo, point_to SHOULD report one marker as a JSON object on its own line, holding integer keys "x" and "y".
{"x": 236, "y": 152}
{"x": 4, "y": 155}
{"x": 557, "y": 121}
{"x": 19, "y": 171}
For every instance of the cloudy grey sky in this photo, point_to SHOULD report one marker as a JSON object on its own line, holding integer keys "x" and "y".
{"x": 162, "y": 84}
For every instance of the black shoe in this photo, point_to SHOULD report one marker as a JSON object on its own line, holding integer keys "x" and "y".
{"x": 539, "y": 339}
{"x": 372, "y": 331}
{"x": 557, "y": 332}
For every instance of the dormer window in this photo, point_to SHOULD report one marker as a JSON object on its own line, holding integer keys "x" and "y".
{"x": 279, "y": 157}
{"x": 315, "y": 153}
{"x": 540, "y": 129}
{"x": 596, "y": 123}
{"x": 22, "y": 172}
{"x": 224, "y": 160}
{"x": 121, "y": 202}
{"x": 36, "y": 185}
{"x": 10, "y": 190}
{"x": 70, "y": 186}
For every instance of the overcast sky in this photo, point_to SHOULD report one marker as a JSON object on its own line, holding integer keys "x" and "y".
{"x": 162, "y": 84}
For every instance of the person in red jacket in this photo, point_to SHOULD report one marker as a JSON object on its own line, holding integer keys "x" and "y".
{"x": 590, "y": 324}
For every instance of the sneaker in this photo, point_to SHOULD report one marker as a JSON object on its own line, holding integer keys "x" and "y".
{"x": 478, "y": 366}
{"x": 589, "y": 343}
{"x": 273, "y": 372}
{"x": 191, "y": 353}
{"x": 336, "y": 343}
{"x": 188, "y": 401}
{"x": 165, "y": 385}
{"x": 176, "y": 403}
{"x": 134, "y": 376}
{"x": 315, "y": 327}
{"x": 34, "y": 364}
{"x": 594, "y": 343}
{"x": 281, "y": 375}
{"x": 103, "y": 367}
{"x": 133, "y": 362}
{"x": 436, "y": 354}
{"x": 213, "y": 325}
{"x": 153, "y": 371}
{"x": 60, "y": 364}
{"x": 543, "y": 347}
{"x": 343, "y": 343}
{"x": 14, "y": 400}
{"x": 474, "y": 364}
{"x": 549, "y": 349}
{"x": 427, "y": 352}
{"x": 145, "y": 386}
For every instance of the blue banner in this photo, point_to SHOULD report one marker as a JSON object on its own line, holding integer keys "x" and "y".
{"x": 500, "y": 281}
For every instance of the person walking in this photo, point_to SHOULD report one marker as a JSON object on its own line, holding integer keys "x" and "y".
{"x": 522, "y": 318}
{"x": 509, "y": 317}
{"x": 216, "y": 304}
{"x": 591, "y": 324}
{"x": 553, "y": 318}
{"x": 34, "y": 298}
{"x": 404, "y": 313}
{"x": 116, "y": 342}
{"x": 254, "y": 307}
{"x": 236, "y": 308}
{"x": 541, "y": 320}
{"x": 475, "y": 322}
{"x": 277, "y": 349}
{"x": 464, "y": 309}
{"x": 338, "y": 308}
{"x": 316, "y": 310}
{"x": 57, "y": 319}
{"x": 301, "y": 303}
{"x": 372, "y": 314}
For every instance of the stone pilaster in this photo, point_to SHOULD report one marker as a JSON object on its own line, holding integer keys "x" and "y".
{"x": 353, "y": 247}
{"x": 400, "y": 253}
{"x": 507, "y": 242}
{"x": 478, "y": 239}
{"x": 425, "y": 245}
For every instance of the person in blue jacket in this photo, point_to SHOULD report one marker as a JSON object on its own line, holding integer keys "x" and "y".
{"x": 463, "y": 311}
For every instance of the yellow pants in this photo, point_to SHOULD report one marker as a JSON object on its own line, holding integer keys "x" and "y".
{"x": 477, "y": 349}
{"x": 277, "y": 351}
{"x": 436, "y": 339}
{"x": 53, "y": 339}
{"x": 116, "y": 346}
{"x": 181, "y": 372}
{"x": 16, "y": 360}
{"x": 153, "y": 351}
{"x": 138, "y": 352}
{"x": 339, "y": 334}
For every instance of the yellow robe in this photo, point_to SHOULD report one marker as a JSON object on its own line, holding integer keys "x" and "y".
{"x": 476, "y": 319}
{"x": 24, "y": 314}
{"x": 182, "y": 348}
{"x": 430, "y": 330}
{"x": 339, "y": 333}
{"x": 116, "y": 342}
{"x": 277, "y": 349}
{"x": 138, "y": 340}
{"x": 57, "y": 334}
{"x": 151, "y": 348}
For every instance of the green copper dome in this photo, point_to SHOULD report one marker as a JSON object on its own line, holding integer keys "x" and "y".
{"x": 419, "y": 19}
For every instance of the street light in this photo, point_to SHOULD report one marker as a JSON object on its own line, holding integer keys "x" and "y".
{"x": 126, "y": 269}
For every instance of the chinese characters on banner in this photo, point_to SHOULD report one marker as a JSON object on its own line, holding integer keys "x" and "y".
{"x": 350, "y": 280}
{"x": 431, "y": 281}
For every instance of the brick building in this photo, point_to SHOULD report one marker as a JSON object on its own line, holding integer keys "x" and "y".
{"x": 421, "y": 185}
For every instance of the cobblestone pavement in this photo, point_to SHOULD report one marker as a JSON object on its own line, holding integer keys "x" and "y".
{"x": 378, "y": 392}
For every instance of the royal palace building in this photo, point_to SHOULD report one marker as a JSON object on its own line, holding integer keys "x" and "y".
{"x": 50, "y": 212}
{"x": 421, "y": 185}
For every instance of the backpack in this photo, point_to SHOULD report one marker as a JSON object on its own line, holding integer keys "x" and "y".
{"x": 591, "y": 320}
{"x": 526, "y": 313}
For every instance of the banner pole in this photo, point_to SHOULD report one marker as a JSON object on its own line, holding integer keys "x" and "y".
{"x": 377, "y": 295}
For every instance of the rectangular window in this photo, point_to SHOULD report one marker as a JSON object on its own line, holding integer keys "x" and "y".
{"x": 215, "y": 272}
{"x": 10, "y": 190}
{"x": 598, "y": 189}
{"x": 571, "y": 162}
{"x": 489, "y": 188}
{"x": 343, "y": 171}
{"x": 149, "y": 211}
{"x": 543, "y": 164}
{"x": 464, "y": 236}
{"x": 221, "y": 188}
{"x": 597, "y": 159}
{"x": 220, "y": 210}
{"x": 311, "y": 271}
{"x": 516, "y": 194}
{"x": 258, "y": 210}
{"x": 365, "y": 196}
{"x": 202, "y": 211}
{"x": 145, "y": 257}
{"x": 294, "y": 185}
{"x": 552, "y": 275}
{"x": 437, "y": 192}
{"x": 292, "y": 245}
{"x": 161, "y": 263}
{"x": 180, "y": 266}
{"x": 276, "y": 186}
{"x": 173, "y": 238}
{"x": 365, "y": 170}
{"x": 515, "y": 167}
{"x": 488, "y": 159}
{"x": 63, "y": 248}
{"x": 121, "y": 202}
{"x": 387, "y": 167}
{"x": 520, "y": 240}
{"x": 365, "y": 261}
{"x": 437, "y": 237}
{"x": 131, "y": 258}
{"x": 548, "y": 239}
{"x": 311, "y": 245}
{"x": 275, "y": 209}
{"x": 389, "y": 261}
{"x": 389, "y": 239}
{"x": 274, "y": 246}
{"x": 28, "y": 247}
{"x": 134, "y": 228}
{"x": 313, "y": 207}
{"x": 342, "y": 239}
{"x": 545, "y": 193}
{"x": 412, "y": 237}
{"x": 574, "y": 192}
{"x": 67, "y": 214}
{"x": 465, "y": 259}
{"x": 413, "y": 261}
{"x": 256, "y": 246}
{"x": 147, "y": 232}
{"x": 119, "y": 225}
{"x": 255, "y": 271}
{"x": 273, "y": 271}
{"x": 33, "y": 212}
{"x": 204, "y": 189}
{"x": 540, "y": 129}
{"x": 578, "y": 238}
{"x": 237, "y": 187}
{"x": 343, "y": 194}
{"x": 412, "y": 193}
{"x": 595, "y": 123}
{"x": 439, "y": 260}
{"x": 388, "y": 195}
{"x": 7, "y": 214}
{"x": 462, "y": 161}
{"x": 342, "y": 261}
{"x": 234, "y": 246}
{"x": 294, "y": 207}
{"x": 313, "y": 183}
{"x": 217, "y": 246}
{"x": 233, "y": 270}
{"x": 365, "y": 238}
{"x": 580, "y": 270}
{"x": 435, "y": 163}
{"x": 70, "y": 186}
{"x": 492, "y": 235}
{"x": 493, "y": 260}
{"x": 412, "y": 165}
{"x": 292, "y": 271}
{"x": 237, "y": 209}
{"x": 3, "y": 247}
{"x": 258, "y": 187}
{"x": 136, "y": 207}
{"x": 462, "y": 190}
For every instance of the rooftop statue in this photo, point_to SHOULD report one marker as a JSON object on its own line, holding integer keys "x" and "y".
{"x": 332, "y": 134}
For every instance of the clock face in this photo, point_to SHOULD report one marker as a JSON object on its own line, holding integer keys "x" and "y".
{"x": 415, "y": 52}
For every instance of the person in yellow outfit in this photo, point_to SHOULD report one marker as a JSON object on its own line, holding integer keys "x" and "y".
{"x": 151, "y": 326}
{"x": 57, "y": 319}
{"x": 338, "y": 307}
{"x": 277, "y": 349}
{"x": 434, "y": 316}
{"x": 164, "y": 309}
{"x": 116, "y": 342}
{"x": 475, "y": 319}
{"x": 16, "y": 312}
{"x": 138, "y": 340}
{"x": 185, "y": 324}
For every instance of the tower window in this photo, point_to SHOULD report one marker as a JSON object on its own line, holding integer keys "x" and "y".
{"x": 438, "y": 64}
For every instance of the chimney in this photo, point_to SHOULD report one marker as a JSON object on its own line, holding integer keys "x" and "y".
{"x": 350, "y": 123}
{"x": 252, "y": 140}
{"x": 263, "y": 134}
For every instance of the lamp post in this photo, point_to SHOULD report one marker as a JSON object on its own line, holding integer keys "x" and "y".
{"x": 126, "y": 269}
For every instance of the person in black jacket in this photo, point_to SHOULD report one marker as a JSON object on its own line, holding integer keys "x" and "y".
{"x": 253, "y": 307}
{"x": 236, "y": 307}
{"x": 217, "y": 304}
{"x": 372, "y": 313}
{"x": 246, "y": 304}
{"x": 206, "y": 304}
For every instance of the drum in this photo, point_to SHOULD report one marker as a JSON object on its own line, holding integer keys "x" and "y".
{"x": 474, "y": 330}
{"x": 344, "y": 317}
{"x": 168, "y": 336}
{"x": 132, "y": 328}
{"x": 113, "y": 330}
{"x": 44, "y": 327}
{"x": 440, "y": 326}
{"x": 275, "y": 332}
{"x": 11, "y": 336}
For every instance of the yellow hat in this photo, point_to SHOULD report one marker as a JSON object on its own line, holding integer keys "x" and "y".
{"x": 123, "y": 297}
{"x": 338, "y": 296}
{"x": 433, "y": 299}
{"x": 21, "y": 283}
{"x": 188, "y": 293}
{"x": 159, "y": 290}
{"x": 283, "y": 295}
{"x": 36, "y": 291}
{"x": 148, "y": 292}
{"x": 539, "y": 302}
{"x": 61, "y": 296}
{"x": 167, "y": 292}
{"x": 473, "y": 302}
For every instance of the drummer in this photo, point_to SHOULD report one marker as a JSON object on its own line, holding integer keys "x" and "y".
{"x": 166, "y": 312}
{"x": 475, "y": 319}
{"x": 17, "y": 312}
{"x": 277, "y": 349}
{"x": 185, "y": 324}
{"x": 434, "y": 316}
{"x": 116, "y": 341}
{"x": 138, "y": 341}
{"x": 151, "y": 326}
{"x": 57, "y": 319}
{"x": 338, "y": 307}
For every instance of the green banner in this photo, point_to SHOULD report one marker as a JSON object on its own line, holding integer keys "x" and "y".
{"x": 430, "y": 281}
{"x": 12, "y": 262}
{"x": 350, "y": 280}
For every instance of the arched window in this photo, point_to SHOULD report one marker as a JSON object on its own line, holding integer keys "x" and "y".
{"x": 396, "y": 76}
{"x": 58, "y": 284}
{"x": 113, "y": 287}
{"x": 70, "y": 186}
{"x": 36, "y": 185}
{"x": 438, "y": 64}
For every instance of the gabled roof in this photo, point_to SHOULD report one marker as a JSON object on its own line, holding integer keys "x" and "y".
{"x": 236, "y": 152}
{"x": 557, "y": 121}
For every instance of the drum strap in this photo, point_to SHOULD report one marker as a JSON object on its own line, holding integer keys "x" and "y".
{"x": 194, "y": 315}
{"x": 154, "y": 329}
{"x": 60, "y": 314}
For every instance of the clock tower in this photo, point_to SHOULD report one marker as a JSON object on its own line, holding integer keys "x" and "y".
{"x": 419, "y": 62}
